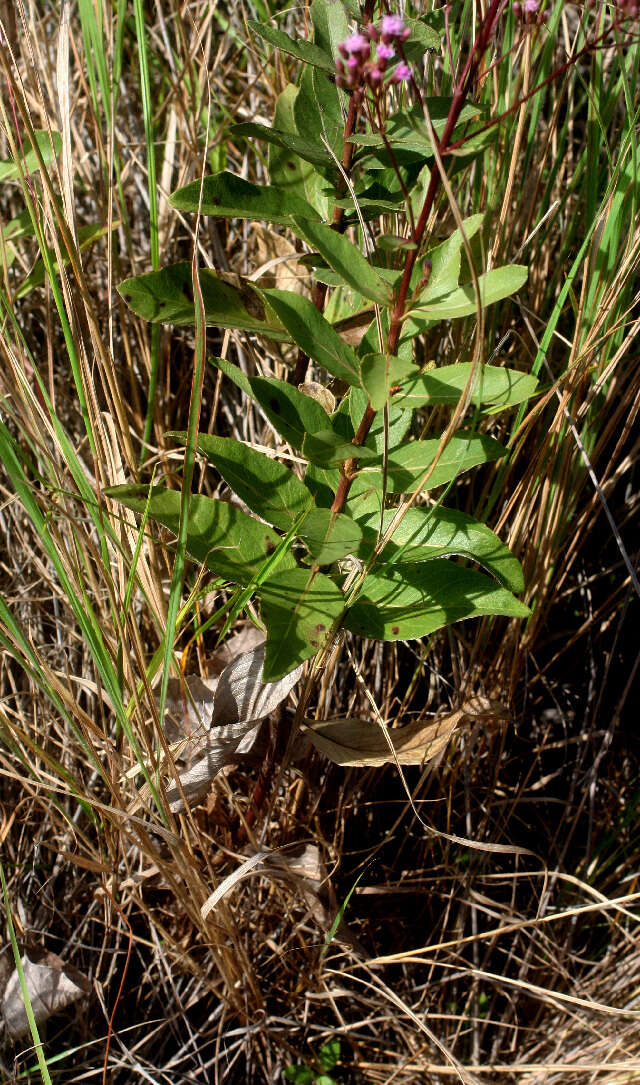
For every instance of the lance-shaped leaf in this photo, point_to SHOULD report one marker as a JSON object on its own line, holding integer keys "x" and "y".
{"x": 313, "y": 334}
{"x": 410, "y": 601}
{"x": 166, "y": 297}
{"x": 355, "y": 743}
{"x": 317, "y": 156}
{"x": 423, "y": 38}
{"x": 493, "y": 286}
{"x": 491, "y": 385}
{"x": 446, "y": 258}
{"x": 407, "y": 132}
{"x": 227, "y": 196}
{"x": 330, "y": 537}
{"x": 266, "y": 486}
{"x": 408, "y": 464}
{"x": 298, "y": 610}
{"x": 295, "y": 47}
{"x": 49, "y": 145}
{"x": 426, "y": 533}
{"x": 318, "y": 110}
{"x": 286, "y": 169}
{"x": 330, "y": 26}
{"x": 229, "y": 542}
{"x": 379, "y": 373}
{"x": 303, "y": 422}
{"x": 346, "y": 260}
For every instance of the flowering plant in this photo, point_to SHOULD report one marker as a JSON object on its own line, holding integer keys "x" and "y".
{"x": 342, "y": 527}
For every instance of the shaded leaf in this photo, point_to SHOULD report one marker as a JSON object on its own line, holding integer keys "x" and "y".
{"x": 330, "y": 537}
{"x": 316, "y": 155}
{"x": 346, "y": 260}
{"x": 426, "y": 533}
{"x": 408, "y": 463}
{"x": 219, "y": 535}
{"x": 49, "y": 146}
{"x": 301, "y": 421}
{"x": 313, "y": 334}
{"x": 227, "y": 196}
{"x": 296, "y": 47}
{"x": 491, "y": 385}
{"x": 298, "y": 609}
{"x": 166, "y": 297}
{"x": 266, "y": 486}
{"x": 410, "y": 601}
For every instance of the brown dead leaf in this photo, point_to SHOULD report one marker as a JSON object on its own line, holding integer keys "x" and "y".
{"x": 51, "y": 987}
{"x": 362, "y": 743}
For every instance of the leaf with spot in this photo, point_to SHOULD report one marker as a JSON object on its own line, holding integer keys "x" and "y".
{"x": 298, "y": 608}
{"x": 166, "y": 297}
{"x": 427, "y": 533}
{"x": 410, "y": 601}
{"x": 346, "y": 260}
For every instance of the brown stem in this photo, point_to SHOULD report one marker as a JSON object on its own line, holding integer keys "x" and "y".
{"x": 457, "y": 103}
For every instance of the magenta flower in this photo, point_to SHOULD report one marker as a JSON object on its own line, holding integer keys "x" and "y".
{"x": 385, "y": 52}
{"x": 392, "y": 27}
{"x": 355, "y": 43}
{"x": 401, "y": 74}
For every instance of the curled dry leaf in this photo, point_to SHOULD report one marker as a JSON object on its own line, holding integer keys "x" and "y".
{"x": 363, "y": 743}
{"x": 240, "y": 702}
{"x": 321, "y": 395}
{"x": 51, "y": 988}
{"x": 302, "y": 868}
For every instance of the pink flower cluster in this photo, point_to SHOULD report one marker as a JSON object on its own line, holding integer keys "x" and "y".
{"x": 529, "y": 12}
{"x": 627, "y": 9}
{"x": 357, "y": 69}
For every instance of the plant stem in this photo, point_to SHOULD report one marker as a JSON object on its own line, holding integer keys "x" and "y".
{"x": 461, "y": 93}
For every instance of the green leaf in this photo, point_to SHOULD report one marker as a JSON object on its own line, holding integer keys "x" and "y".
{"x": 219, "y": 535}
{"x": 329, "y": 1055}
{"x": 426, "y": 533}
{"x": 86, "y": 236}
{"x": 313, "y": 334}
{"x": 49, "y": 145}
{"x": 491, "y": 385}
{"x": 298, "y": 609}
{"x": 379, "y": 373}
{"x": 408, "y": 464}
{"x": 346, "y": 259}
{"x": 296, "y": 47}
{"x": 227, "y": 196}
{"x": 318, "y": 109}
{"x": 330, "y": 537}
{"x": 166, "y": 297}
{"x": 299, "y": 1075}
{"x": 311, "y": 152}
{"x": 411, "y": 601}
{"x": 423, "y": 39}
{"x": 330, "y": 25}
{"x": 286, "y": 169}
{"x": 399, "y": 422}
{"x": 494, "y": 285}
{"x": 270, "y": 490}
{"x": 302, "y": 422}
{"x": 446, "y": 258}
{"x": 407, "y": 131}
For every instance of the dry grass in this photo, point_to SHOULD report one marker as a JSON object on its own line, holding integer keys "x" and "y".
{"x": 493, "y": 934}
